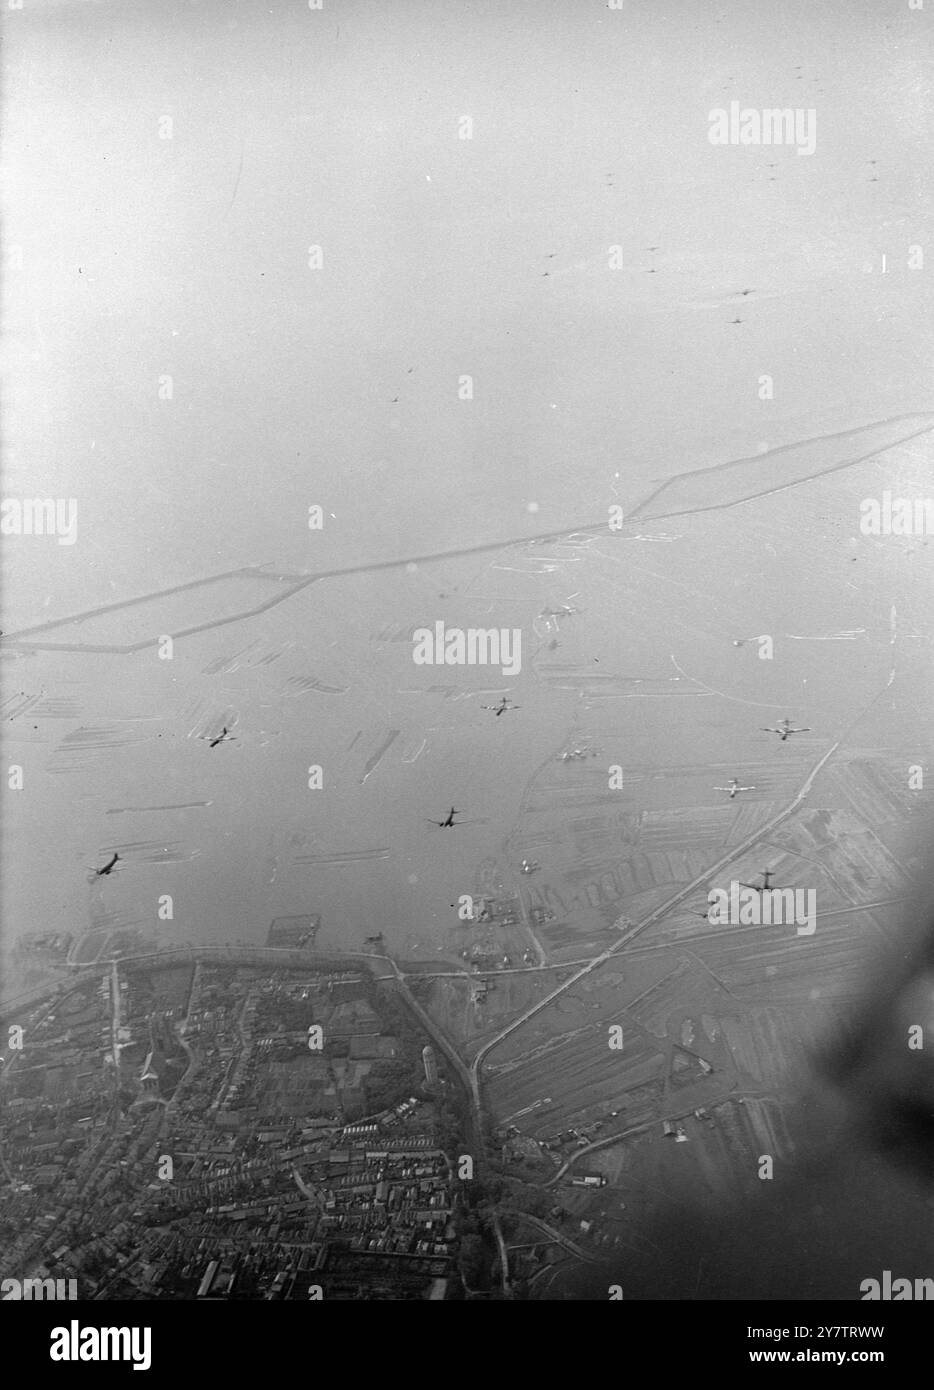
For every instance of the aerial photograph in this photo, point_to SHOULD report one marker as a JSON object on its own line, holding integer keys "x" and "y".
{"x": 468, "y": 744}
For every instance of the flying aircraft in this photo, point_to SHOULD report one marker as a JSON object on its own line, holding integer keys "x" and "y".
{"x": 108, "y": 868}
{"x": 733, "y": 788}
{"x": 783, "y": 729}
{"x": 221, "y": 737}
{"x": 765, "y": 884}
{"x": 449, "y": 822}
{"x": 502, "y": 707}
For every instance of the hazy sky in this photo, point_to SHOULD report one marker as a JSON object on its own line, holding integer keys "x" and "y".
{"x": 187, "y": 256}
{"x": 144, "y": 257}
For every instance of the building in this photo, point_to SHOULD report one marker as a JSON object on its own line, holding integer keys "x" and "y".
{"x": 431, "y": 1066}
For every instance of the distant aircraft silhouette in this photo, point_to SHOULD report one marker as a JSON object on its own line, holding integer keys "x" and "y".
{"x": 502, "y": 707}
{"x": 221, "y": 737}
{"x": 733, "y": 788}
{"x": 765, "y": 884}
{"x": 108, "y": 868}
{"x": 783, "y": 729}
{"x": 449, "y": 823}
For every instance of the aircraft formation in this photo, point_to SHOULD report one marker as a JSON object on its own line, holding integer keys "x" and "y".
{"x": 784, "y": 728}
